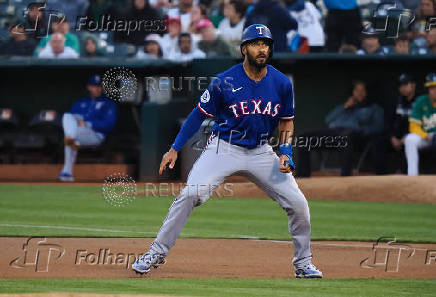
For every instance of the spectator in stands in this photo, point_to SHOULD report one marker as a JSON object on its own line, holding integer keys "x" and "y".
{"x": 197, "y": 13}
{"x": 250, "y": 6}
{"x": 88, "y": 123}
{"x": 343, "y": 24}
{"x": 425, "y": 44}
{"x": 162, "y": 5}
{"x": 231, "y": 27}
{"x": 36, "y": 23}
{"x": 350, "y": 126}
{"x": 411, "y": 4}
{"x": 431, "y": 41}
{"x": 169, "y": 40}
{"x": 152, "y": 48}
{"x": 60, "y": 25}
{"x": 185, "y": 51}
{"x": 397, "y": 124}
{"x": 427, "y": 8}
{"x": 347, "y": 49}
{"x": 309, "y": 23}
{"x": 402, "y": 45}
{"x": 72, "y": 9}
{"x": 149, "y": 17}
{"x": 370, "y": 44}
{"x": 182, "y": 11}
{"x": 100, "y": 13}
{"x": 56, "y": 48}
{"x": 211, "y": 44}
{"x": 91, "y": 47}
{"x": 19, "y": 44}
{"x": 272, "y": 14}
{"x": 422, "y": 126}
{"x": 216, "y": 12}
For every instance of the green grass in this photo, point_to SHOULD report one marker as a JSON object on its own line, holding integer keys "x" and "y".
{"x": 227, "y": 287}
{"x": 33, "y": 210}
{"x": 36, "y": 210}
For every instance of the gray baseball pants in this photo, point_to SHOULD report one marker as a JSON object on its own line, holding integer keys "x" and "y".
{"x": 260, "y": 165}
{"x": 83, "y": 136}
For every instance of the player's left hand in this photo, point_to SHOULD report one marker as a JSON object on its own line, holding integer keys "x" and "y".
{"x": 284, "y": 167}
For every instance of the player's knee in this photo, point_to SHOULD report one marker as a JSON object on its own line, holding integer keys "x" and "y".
{"x": 67, "y": 119}
{"x": 67, "y": 116}
{"x": 412, "y": 139}
{"x": 195, "y": 195}
{"x": 299, "y": 209}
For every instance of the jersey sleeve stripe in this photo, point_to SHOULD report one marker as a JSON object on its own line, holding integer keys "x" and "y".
{"x": 205, "y": 112}
{"x": 415, "y": 120}
{"x": 287, "y": 118}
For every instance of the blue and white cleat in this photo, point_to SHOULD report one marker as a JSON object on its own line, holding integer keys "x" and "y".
{"x": 307, "y": 270}
{"x": 145, "y": 262}
{"x": 65, "y": 177}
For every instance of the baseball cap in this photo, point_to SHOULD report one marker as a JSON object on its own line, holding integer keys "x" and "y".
{"x": 203, "y": 23}
{"x": 174, "y": 19}
{"x": 95, "y": 80}
{"x": 369, "y": 32}
{"x": 154, "y": 38}
{"x": 405, "y": 78}
{"x": 430, "y": 80}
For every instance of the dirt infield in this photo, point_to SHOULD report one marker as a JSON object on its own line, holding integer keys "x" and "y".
{"x": 391, "y": 188}
{"x": 210, "y": 258}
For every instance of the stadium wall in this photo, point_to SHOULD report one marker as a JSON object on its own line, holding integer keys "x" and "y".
{"x": 321, "y": 82}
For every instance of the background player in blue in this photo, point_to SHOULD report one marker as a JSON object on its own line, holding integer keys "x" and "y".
{"x": 248, "y": 102}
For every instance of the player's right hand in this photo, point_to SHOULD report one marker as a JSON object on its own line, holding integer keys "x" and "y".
{"x": 350, "y": 102}
{"x": 169, "y": 157}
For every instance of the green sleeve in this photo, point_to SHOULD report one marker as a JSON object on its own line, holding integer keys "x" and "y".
{"x": 416, "y": 115}
{"x": 73, "y": 42}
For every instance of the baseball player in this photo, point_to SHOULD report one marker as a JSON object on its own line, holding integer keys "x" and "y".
{"x": 422, "y": 127}
{"x": 88, "y": 123}
{"x": 247, "y": 102}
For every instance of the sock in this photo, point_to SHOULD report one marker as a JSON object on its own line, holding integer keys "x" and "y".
{"x": 70, "y": 156}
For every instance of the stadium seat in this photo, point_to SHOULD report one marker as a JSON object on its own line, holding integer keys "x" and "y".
{"x": 9, "y": 124}
{"x": 48, "y": 123}
{"x": 41, "y": 140}
{"x": 363, "y": 154}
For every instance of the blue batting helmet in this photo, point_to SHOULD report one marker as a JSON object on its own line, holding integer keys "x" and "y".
{"x": 257, "y": 31}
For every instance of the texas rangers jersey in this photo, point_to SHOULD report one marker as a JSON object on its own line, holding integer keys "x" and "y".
{"x": 247, "y": 112}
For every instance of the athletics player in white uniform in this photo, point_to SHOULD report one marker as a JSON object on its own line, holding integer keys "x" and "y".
{"x": 248, "y": 102}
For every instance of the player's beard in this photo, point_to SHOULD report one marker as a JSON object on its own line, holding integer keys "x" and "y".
{"x": 258, "y": 65}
